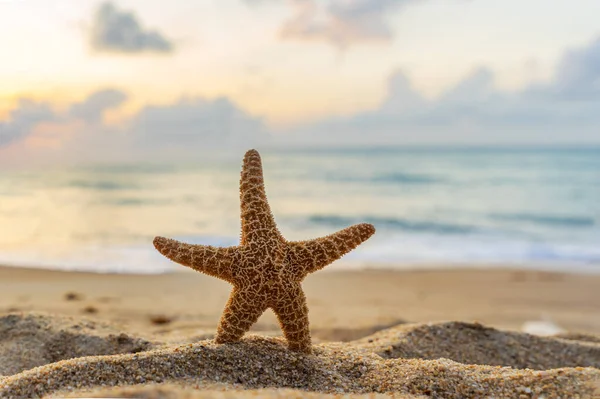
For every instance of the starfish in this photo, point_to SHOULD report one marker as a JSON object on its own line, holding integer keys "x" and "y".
{"x": 265, "y": 269}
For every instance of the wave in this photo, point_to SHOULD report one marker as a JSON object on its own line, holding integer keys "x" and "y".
{"x": 407, "y": 178}
{"x": 394, "y": 177}
{"x": 546, "y": 220}
{"x": 136, "y": 201}
{"x": 477, "y": 249}
{"x": 101, "y": 185}
{"x": 135, "y": 168}
{"x": 395, "y": 251}
{"x": 422, "y": 226}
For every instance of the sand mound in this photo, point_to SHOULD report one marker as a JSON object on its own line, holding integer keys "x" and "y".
{"x": 390, "y": 361}
{"x": 259, "y": 362}
{"x": 34, "y": 339}
{"x": 472, "y": 343}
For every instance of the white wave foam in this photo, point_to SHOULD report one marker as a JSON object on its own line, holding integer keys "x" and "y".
{"x": 390, "y": 252}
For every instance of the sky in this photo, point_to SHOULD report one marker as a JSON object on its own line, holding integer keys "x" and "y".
{"x": 132, "y": 79}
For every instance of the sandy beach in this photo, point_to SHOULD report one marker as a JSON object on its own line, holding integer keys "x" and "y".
{"x": 439, "y": 333}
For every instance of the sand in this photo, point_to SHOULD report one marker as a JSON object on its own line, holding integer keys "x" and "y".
{"x": 445, "y": 334}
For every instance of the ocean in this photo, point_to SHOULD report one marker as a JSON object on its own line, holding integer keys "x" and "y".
{"x": 432, "y": 207}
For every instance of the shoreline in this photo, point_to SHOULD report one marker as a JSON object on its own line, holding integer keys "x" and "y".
{"x": 567, "y": 268}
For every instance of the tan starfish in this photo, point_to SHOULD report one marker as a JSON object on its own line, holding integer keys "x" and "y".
{"x": 265, "y": 270}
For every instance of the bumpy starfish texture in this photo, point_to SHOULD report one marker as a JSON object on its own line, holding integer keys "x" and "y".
{"x": 265, "y": 270}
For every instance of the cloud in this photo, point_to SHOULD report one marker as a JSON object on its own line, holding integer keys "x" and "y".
{"x": 578, "y": 73}
{"x": 114, "y": 30}
{"x": 474, "y": 111}
{"x": 195, "y": 125}
{"x": 92, "y": 108}
{"x": 342, "y": 22}
{"x": 23, "y": 119}
{"x": 401, "y": 96}
{"x": 29, "y": 115}
{"x": 182, "y": 130}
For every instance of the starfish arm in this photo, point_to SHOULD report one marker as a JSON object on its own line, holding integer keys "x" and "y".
{"x": 257, "y": 220}
{"x": 242, "y": 310}
{"x": 292, "y": 313}
{"x": 309, "y": 256}
{"x": 214, "y": 261}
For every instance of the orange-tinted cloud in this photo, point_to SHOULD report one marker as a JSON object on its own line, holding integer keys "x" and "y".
{"x": 52, "y": 135}
{"x": 342, "y": 22}
{"x": 182, "y": 129}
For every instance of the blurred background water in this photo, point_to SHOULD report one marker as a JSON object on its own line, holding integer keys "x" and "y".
{"x": 527, "y": 207}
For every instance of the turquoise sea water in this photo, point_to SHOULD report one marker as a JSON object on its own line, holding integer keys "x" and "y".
{"x": 526, "y": 207}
